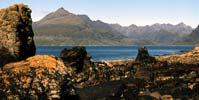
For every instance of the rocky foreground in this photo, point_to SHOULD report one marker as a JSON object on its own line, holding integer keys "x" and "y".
{"x": 164, "y": 77}
{"x": 72, "y": 75}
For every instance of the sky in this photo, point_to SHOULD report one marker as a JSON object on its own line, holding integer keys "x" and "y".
{"x": 123, "y": 12}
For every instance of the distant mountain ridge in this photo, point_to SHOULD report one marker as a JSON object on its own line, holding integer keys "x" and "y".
{"x": 64, "y": 28}
{"x": 159, "y": 34}
{"x": 180, "y": 28}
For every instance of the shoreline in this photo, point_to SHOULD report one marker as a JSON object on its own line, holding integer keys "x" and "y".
{"x": 108, "y": 45}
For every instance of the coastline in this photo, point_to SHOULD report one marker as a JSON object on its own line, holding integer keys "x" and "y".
{"x": 73, "y": 75}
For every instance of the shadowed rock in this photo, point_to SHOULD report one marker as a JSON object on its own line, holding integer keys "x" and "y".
{"x": 75, "y": 57}
{"x": 5, "y": 56}
{"x": 113, "y": 90}
{"x": 16, "y": 34}
{"x": 143, "y": 56}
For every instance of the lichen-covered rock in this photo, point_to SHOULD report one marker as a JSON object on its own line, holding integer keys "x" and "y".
{"x": 38, "y": 77}
{"x": 16, "y": 34}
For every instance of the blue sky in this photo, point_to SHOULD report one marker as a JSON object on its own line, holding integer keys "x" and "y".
{"x": 124, "y": 12}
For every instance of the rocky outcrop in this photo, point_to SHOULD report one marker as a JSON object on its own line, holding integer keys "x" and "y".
{"x": 76, "y": 57}
{"x": 38, "y": 77}
{"x": 143, "y": 56}
{"x": 16, "y": 34}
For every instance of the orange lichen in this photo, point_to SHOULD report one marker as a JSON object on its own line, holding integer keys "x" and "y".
{"x": 38, "y": 73}
{"x": 47, "y": 61}
{"x": 39, "y": 61}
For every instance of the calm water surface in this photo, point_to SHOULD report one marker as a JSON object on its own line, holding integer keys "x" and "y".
{"x": 115, "y": 52}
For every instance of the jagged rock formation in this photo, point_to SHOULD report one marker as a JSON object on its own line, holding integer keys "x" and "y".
{"x": 16, "y": 34}
{"x": 38, "y": 77}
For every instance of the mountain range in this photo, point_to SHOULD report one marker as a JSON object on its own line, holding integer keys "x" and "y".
{"x": 64, "y": 28}
{"x": 160, "y": 34}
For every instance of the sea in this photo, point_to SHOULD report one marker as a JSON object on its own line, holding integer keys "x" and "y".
{"x": 100, "y": 53}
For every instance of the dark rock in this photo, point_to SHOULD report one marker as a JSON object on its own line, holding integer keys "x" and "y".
{"x": 38, "y": 77}
{"x": 146, "y": 97}
{"x": 143, "y": 56}
{"x": 16, "y": 34}
{"x": 75, "y": 57}
{"x": 195, "y": 91}
{"x": 113, "y": 90}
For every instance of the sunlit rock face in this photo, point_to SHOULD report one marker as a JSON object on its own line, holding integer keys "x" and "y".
{"x": 16, "y": 34}
{"x": 38, "y": 77}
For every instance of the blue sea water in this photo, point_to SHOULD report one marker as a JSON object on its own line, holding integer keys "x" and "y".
{"x": 114, "y": 52}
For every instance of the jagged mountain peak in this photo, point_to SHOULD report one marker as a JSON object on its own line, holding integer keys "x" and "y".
{"x": 181, "y": 24}
{"x": 61, "y": 11}
{"x": 60, "y": 16}
{"x": 133, "y": 25}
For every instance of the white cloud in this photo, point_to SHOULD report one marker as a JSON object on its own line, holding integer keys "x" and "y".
{"x": 36, "y": 18}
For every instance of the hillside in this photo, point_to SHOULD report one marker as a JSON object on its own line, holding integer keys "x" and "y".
{"x": 194, "y": 36}
{"x": 64, "y": 28}
{"x": 191, "y": 39}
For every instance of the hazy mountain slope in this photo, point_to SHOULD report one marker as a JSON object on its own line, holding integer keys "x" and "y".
{"x": 192, "y": 39}
{"x": 64, "y": 28}
{"x": 181, "y": 29}
{"x": 161, "y": 37}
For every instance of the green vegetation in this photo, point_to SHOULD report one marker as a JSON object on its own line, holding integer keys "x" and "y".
{"x": 76, "y": 35}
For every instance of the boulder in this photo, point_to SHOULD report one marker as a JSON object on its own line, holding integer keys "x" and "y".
{"x": 156, "y": 95}
{"x": 143, "y": 56}
{"x": 167, "y": 97}
{"x": 38, "y": 77}
{"x": 16, "y": 34}
{"x": 75, "y": 57}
